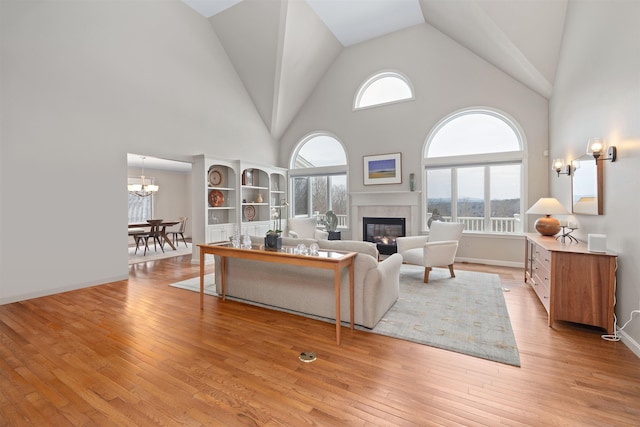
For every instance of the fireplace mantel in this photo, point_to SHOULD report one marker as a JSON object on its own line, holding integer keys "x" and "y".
{"x": 403, "y": 204}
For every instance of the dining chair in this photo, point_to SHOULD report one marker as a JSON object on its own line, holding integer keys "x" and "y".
{"x": 138, "y": 234}
{"x": 155, "y": 233}
{"x": 179, "y": 232}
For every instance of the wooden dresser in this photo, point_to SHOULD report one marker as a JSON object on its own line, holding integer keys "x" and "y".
{"x": 573, "y": 284}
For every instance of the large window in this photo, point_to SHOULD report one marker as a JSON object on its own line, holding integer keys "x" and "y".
{"x": 140, "y": 208}
{"x": 319, "y": 178}
{"x": 383, "y": 88}
{"x": 473, "y": 172}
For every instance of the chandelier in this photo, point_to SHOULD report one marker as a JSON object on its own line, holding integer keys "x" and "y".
{"x": 142, "y": 189}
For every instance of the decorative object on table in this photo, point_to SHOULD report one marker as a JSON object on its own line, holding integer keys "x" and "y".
{"x": 597, "y": 243}
{"x": 249, "y": 212}
{"x": 566, "y": 234}
{"x": 334, "y": 235}
{"x": 246, "y": 241}
{"x": 247, "y": 177}
{"x": 273, "y": 240}
{"x": 435, "y": 216}
{"x": 330, "y": 221}
{"x": 235, "y": 238}
{"x": 314, "y": 249}
{"x": 383, "y": 169}
{"x": 259, "y": 199}
{"x": 143, "y": 189}
{"x": 216, "y": 177}
{"x": 548, "y": 206}
{"x": 216, "y": 198}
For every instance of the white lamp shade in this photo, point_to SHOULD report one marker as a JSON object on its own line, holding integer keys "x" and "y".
{"x": 558, "y": 164}
{"x": 596, "y": 145}
{"x": 548, "y": 206}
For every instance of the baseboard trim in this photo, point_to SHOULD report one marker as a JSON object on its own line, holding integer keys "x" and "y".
{"x": 629, "y": 342}
{"x": 500, "y": 263}
{"x": 47, "y": 292}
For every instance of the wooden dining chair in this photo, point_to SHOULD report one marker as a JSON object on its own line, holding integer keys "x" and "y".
{"x": 156, "y": 234}
{"x": 179, "y": 232}
{"x": 139, "y": 235}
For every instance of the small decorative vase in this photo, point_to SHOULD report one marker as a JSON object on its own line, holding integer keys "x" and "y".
{"x": 259, "y": 199}
{"x": 273, "y": 241}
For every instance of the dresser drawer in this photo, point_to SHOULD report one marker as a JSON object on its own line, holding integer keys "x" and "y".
{"x": 541, "y": 286}
{"x": 542, "y": 258}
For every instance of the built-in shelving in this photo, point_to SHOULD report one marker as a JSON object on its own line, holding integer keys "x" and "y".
{"x": 234, "y": 195}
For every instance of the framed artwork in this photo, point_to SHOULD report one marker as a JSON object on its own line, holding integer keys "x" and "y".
{"x": 247, "y": 177}
{"x": 383, "y": 169}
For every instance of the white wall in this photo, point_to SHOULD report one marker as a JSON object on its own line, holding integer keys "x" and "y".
{"x": 446, "y": 78}
{"x": 597, "y": 93}
{"x": 82, "y": 84}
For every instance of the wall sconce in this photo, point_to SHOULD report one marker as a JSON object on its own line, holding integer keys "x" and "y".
{"x": 597, "y": 146}
{"x": 558, "y": 165}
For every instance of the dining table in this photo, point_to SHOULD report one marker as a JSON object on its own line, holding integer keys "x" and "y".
{"x": 163, "y": 230}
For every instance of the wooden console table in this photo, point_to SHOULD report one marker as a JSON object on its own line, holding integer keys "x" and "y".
{"x": 573, "y": 284}
{"x": 330, "y": 260}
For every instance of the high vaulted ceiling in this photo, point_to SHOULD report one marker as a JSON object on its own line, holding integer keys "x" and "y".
{"x": 282, "y": 48}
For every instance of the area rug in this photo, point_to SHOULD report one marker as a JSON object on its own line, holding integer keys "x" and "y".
{"x": 466, "y": 314}
{"x": 155, "y": 254}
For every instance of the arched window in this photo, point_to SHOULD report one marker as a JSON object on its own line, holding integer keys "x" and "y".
{"x": 383, "y": 88}
{"x": 473, "y": 171}
{"x": 318, "y": 171}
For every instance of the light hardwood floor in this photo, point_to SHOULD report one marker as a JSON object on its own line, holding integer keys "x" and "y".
{"x": 139, "y": 352}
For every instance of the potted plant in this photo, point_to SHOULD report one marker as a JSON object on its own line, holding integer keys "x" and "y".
{"x": 273, "y": 238}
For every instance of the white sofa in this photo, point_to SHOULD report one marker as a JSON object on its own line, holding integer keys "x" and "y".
{"x": 311, "y": 290}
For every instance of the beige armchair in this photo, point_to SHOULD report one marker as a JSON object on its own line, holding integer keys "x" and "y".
{"x": 438, "y": 249}
{"x": 305, "y": 228}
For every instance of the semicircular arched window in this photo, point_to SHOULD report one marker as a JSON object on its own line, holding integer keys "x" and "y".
{"x": 319, "y": 150}
{"x": 383, "y": 88}
{"x": 318, "y": 173}
{"x": 473, "y": 172}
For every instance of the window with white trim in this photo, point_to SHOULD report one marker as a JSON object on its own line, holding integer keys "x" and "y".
{"x": 318, "y": 172}
{"x": 383, "y": 88}
{"x": 473, "y": 172}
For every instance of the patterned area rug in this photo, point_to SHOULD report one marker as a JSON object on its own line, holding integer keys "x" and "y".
{"x": 466, "y": 314}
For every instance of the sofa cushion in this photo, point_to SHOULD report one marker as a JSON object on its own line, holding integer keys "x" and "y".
{"x": 350, "y": 246}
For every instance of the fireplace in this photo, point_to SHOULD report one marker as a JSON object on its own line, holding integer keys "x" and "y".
{"x": 383, "y": 232}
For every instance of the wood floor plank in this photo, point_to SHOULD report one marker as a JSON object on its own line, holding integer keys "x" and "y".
{"x": 138, "y": 352}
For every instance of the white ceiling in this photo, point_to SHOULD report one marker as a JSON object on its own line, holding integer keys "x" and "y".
{"x": 520, "y": 37}
{"x": 353, "y": 22}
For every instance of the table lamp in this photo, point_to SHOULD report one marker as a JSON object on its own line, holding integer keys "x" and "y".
{"x": 548, "y": 206}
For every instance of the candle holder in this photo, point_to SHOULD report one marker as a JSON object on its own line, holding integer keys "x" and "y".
{"x": 566, "y": 234}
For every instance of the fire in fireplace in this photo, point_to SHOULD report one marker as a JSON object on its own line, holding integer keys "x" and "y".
{"x": 383, "y": 232}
